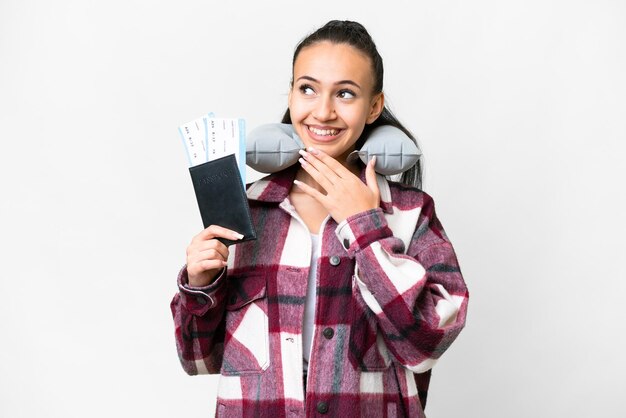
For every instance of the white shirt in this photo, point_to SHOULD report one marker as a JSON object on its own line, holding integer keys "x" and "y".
{"x": 308, "y": 323}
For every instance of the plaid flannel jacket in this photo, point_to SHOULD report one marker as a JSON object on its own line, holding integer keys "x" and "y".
{"x": 390, "y": 300}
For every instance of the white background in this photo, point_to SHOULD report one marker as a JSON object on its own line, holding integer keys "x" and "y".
{"x": 520, "y": 111}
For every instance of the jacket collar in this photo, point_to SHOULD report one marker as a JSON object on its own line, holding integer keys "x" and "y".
{"x": 275, "y": 187}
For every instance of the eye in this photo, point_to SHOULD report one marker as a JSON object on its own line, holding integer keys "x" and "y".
{"x": 346, "y": 94}
{"x": 306, "y": 89}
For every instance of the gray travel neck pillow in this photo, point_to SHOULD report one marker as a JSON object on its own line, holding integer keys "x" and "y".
{"x": 274, "y": 146}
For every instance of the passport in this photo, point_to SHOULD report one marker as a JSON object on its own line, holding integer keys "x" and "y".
{"x": 222, "y": 198}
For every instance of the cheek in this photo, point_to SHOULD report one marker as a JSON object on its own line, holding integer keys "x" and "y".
{"x": 297, "y": 115}
{"x": 356, "y": 119}
{"x": 296, "y": 109}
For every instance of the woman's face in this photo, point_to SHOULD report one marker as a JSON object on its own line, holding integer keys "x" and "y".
{"x": 331, "y": 99}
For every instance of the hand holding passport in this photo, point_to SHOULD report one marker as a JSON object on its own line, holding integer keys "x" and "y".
{"x": 216, "y": 152}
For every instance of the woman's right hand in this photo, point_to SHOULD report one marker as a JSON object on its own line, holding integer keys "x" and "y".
{"x": 206, "y": 256}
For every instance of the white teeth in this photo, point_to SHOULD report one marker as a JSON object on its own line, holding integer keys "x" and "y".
{"x": 325, "y": 132}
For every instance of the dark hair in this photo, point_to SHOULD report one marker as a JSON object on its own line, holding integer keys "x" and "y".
{"x": 355, "y": 35}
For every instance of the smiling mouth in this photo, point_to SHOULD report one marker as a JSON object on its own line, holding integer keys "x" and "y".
{"x": 323, "y": 132}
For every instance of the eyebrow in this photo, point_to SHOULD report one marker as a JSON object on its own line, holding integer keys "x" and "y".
{"x": 352, "y": 83}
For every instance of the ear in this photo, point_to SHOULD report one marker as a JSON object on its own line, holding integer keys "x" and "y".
{"x": 378, "y": 104}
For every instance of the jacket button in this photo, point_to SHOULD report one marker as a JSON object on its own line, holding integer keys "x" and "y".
{"x": 233, "y": 299}
{"x": 201, "y": 300}
{"x": 322, "y": 407}
{"x": 346, "y": 243}
{"x": 335, "y": 260}
{"x": 328, "y": 333}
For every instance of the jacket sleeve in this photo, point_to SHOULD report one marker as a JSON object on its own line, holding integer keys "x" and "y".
{"x": 417, "y": 294}
{"x": 199, "y": 324}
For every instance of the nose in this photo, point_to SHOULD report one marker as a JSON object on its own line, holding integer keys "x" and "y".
{"x": 324, "y": 109}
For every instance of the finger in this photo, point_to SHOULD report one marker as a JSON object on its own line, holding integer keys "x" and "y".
{"x": 370, "y": 176}
{"x": 214, "y": 231}
{"x": 216, "y": 251}
{"x": 320, "y": 178}
{"x": 204, "y": 265}
{"x": 338, "y": 168}
{"x": 210, "y": 244}
{"x": 321, "y": 167}
{"x": 209, "y": 255}
{"x": 199, "y": 245}
{"x": 198, "y": 257}
{"x": 212, "y": 264}
{"x": 310, "y": 191}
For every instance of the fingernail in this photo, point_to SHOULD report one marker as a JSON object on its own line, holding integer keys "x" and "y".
{"x": 301, "y": 161}
{"x": 302, "y": 152}
{"x": 313, "y": 150}
{"x": 237, "y": 235}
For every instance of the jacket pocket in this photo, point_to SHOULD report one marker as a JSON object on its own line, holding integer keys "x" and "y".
{"x": 246, "y": 342}
{"x": 368, "y": 351}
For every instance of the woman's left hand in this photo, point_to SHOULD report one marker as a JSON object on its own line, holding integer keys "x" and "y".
{"x": 346, "y": 194}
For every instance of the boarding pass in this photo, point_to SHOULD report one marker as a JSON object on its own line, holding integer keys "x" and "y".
{"x": 209, "y": 138}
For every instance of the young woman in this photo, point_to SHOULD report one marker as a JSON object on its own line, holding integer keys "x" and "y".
{"x": 352, "y": 290}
